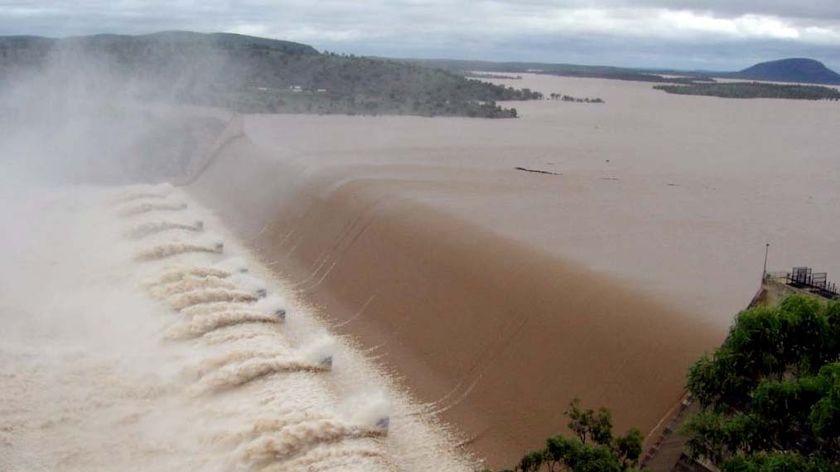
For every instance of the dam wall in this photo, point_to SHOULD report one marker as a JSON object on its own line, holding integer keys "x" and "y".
{"x": 491, "y": 335}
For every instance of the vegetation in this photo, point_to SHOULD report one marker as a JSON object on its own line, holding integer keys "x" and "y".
{"x": 593, "y": 448}
{"x": 796, "y": 70}
{"x": 754, "y": 90}
{"x": 566, "y": 70}
{"x": 489, "y": 75}
{"x": 770, "y": 395}
{"x": 261, "y": 75}
{"x": 569, "y": 98}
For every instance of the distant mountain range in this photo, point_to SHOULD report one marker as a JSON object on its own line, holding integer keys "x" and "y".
{"x": 801, "y": 70}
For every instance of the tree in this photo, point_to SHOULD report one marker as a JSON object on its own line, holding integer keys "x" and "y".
{"x": 770, "y": 395}
{"x": 593, "y": 448}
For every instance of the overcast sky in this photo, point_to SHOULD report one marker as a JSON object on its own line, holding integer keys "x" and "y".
{"x": 687, "y": 34}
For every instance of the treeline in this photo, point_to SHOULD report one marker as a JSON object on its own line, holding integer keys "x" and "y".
{"x": 566, "y": 70}
{"x": 754, "y": 90}
{"x": 488, "y": 75}
{"x": 569, "y": 98}
{"x": 250, "y": 74}
{"x": 770, "y": 395}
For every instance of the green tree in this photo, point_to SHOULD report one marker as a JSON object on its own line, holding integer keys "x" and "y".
{"x": 770, "y": 395}
{"x": 593, "y": 447}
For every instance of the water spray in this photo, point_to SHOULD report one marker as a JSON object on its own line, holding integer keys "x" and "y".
{"x": 320, "y": 352}
{"x": 195, "y": 297}
{"x": 331, "y": 458}
{"x": 188, "y": 284}
{"x": 215, "y": 307}
{"x": 163, "y": 251}
{"x": 149, "y": 229}
{"x": 317, "y": 357}
{"x": 372, "y": 409}
{"x": 233, "y": 265}
{"x": 274, "y": 305}
{"x": 148, "y": 207}
{"x": 148, "y": 192}
{"x": 216, "y": 363}
{"x": 200, "y": 325}
{"x": 298, "y": 438}
{"x": 240, "y": 332}
{"x": 251, "y": 284}
{"x": 240, "y": 373}
{"x": 176, "y": 275}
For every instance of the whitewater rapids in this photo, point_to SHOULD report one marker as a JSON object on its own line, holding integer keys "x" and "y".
{"x": 143, "y": 345}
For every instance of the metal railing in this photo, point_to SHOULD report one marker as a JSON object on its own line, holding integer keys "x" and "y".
{"x": 805, "y": 278}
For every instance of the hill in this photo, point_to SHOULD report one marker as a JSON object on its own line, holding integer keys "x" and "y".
{"x": 249, "y": 74}
{"x": 800, "y": 70}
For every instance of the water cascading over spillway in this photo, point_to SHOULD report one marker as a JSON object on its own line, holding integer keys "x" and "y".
{"x": 148, "y": 207}
{"x": 151, "y": 228}
{"x": 190, "y": 283}
{"x": 230, "y": 315}
{"x": 291, "y": 439}
{"x": 271, "y": 304}
{"x": 209, "y": 295}
{"x": 163, "y": 251}
{"x": 193, "y": 357}
{"x": 203, "y": 324}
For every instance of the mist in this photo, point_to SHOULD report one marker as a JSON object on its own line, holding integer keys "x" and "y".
{"x": 138, "y": 332}
{"x": 224, "y": 252}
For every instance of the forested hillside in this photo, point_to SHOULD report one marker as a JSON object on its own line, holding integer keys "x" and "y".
{"x": 251, "y": 74}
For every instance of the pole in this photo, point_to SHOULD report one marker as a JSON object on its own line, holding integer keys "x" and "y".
{"x": 764, "y": 272}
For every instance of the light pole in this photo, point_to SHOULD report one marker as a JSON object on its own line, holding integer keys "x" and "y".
{"x": 764, "y": 272}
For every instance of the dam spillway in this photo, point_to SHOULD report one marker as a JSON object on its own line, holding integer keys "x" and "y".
{"x": 472, "y": 298}
{"x": 238, "y": 375}
{"x": 493, "y": 336}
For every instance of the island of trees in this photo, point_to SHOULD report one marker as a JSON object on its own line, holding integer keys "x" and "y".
{"x": 490, "y": 75}
{"x": 569, "y": 98}
{"x": 754, "y": 90}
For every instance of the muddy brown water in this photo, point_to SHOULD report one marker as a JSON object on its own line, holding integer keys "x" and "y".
{"x": 498, "y": 295}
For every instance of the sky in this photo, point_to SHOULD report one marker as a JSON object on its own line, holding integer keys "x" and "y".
{"x": 680, "y": 34}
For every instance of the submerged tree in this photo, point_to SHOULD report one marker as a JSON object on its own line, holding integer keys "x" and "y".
{"x": 770, "y": 395}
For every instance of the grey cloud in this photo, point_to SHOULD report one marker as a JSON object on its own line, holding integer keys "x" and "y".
{"x": 793, "y": 9}
{"x": 620, "y": 32}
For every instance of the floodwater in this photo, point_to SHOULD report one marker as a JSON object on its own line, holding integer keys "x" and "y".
{"x": 678, "y": 194}
{"x": 424, "y": 280}
{"x": 135, "y": 338}
{"x": 498, "y": 295}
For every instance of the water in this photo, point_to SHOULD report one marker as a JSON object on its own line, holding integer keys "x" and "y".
{"x": 92, "y": 379}
{"x": 604, "y": 280}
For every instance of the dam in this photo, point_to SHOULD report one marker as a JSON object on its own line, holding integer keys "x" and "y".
{"x": 498, "y": 296}
{"x": 479, "y": 325}
{"x": 178, "y": 349}
{"x": 412, "y": 301}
